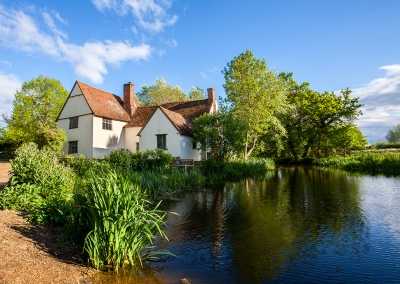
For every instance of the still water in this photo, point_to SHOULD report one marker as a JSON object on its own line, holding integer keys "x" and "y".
{"x": 294, "y": 225}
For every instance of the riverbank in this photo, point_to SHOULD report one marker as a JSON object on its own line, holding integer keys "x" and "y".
{"x": 33, "y": 254}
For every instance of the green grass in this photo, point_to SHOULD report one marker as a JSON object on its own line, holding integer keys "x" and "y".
{"x": 385, "y": 162}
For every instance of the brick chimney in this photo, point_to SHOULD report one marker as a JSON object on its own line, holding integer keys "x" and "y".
{"x": 211, "y": 96}
{"x": 129, "y": 99}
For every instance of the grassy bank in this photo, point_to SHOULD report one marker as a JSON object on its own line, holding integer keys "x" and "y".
{"x": 108, "y": 206}
{"x": 385, "y": 162}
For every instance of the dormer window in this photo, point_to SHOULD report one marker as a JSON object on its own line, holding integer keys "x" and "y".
{"x": 73, "y": 122}
{"x": 107, "y": 124}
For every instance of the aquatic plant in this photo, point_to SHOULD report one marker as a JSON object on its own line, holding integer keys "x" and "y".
{"x": 122, "y": 220}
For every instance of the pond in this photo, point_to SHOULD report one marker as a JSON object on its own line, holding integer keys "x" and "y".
{"x": 294, "y": 225}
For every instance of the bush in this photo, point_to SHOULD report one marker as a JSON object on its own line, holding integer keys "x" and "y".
{"x": 39, "y": 184}
{"x": 149, "y": 160}
{"x": 236, "y": 169}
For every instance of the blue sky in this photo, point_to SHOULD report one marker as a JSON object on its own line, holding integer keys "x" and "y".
{"x": 106, "y": 43}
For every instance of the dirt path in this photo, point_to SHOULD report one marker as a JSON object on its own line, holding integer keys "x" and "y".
{"x": 33, "y": 254}
{"x": 5, "y": 167}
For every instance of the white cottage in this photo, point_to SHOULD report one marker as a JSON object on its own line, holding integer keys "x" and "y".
{"x": 96, "y": 122}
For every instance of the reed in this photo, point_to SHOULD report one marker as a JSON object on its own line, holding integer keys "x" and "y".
{"x": 386, "y": 162}
{"x": 122, "y": 220}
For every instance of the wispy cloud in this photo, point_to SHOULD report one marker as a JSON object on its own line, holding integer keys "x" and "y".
{"x": 212, "y": 70}
{"x": 20, "y": 31}
{"x": 203, "y": 75}
{"x": 381, "y": 99}
{"x": 9, "y": 83}
{"x": 149, "y": 14}
{"x": 171, "y": 43}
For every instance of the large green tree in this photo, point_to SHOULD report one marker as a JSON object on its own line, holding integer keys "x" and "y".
{"x": 255, "y": 96}
{"x": 160, "y": 93}
{"x": 35, "y": 109}
{"x": 316, "y": 119}
{"x": 218, "y": 134}
{"x": 393, "y": 134}
{"x": 196, "y": 93}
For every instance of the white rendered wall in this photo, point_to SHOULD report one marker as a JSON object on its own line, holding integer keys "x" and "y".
{"x": 104, "y": 141}
{"x": 160, "y": 124}
{"x": 75, "y": 106}
{"x": 131, "y": 138}
{"x": 82, "y": 134}
{"x": 186, "y": 148}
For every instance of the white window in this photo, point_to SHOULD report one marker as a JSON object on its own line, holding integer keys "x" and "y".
{"x": 107, "y": 124}
{"x": 162, "y": 141}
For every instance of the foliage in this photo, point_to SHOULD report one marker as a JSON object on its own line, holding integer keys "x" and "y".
{"x": 35, "y": 109}
{"x": 39, "y": 184}
{"x": 388, "y": 162}
{"x": 218, "y": 134}
{"x": 160, "y": 93}
{"x": 53, "y": 138}
{"x": 255, "y": 96}
{"x": 149, "y": 160}
{"x": 236, "y": 168}
{"x": 393, "y": 134}
{"x": 196, "y": 93}
{"x": 123, "y": 222}
{"x": 318, "y": 123}
{"x": 387, "y": 145}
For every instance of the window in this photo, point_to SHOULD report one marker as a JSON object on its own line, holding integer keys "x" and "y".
{"x": 137, "y": 146}
{"x": 162, "y": 141}
{"x": 107, "y": 124}
{"x": 72, "y": 147}
{"x": 194, "y": 145}
{"x": 73, "y": 122}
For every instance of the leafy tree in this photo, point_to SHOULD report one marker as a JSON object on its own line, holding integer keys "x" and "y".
{"x": 217, "y": 134}
{"x": 255, "y": 96}
{"x": 35, "y": 109}
{"x": 314, "y": 119}
{"x": 348, "y": 137}
{"x": 393, "y": 134}
{"x": 160, "y": 93}
{"x": 196, "y": 93}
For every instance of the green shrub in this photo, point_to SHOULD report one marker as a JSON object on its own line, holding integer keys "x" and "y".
{"x": 39, "y": 184}
{"x": 388, "y": 145}
{"x": 123, "y": 222}
{"x": 236, "y": 168}
{"x": 149, "y": 160}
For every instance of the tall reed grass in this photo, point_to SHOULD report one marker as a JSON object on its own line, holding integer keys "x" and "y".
{"x": 123, "y": 222}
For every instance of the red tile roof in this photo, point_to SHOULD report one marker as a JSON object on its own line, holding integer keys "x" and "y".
{"x": 181, "y": 114}
{"x": 104, "y": 104}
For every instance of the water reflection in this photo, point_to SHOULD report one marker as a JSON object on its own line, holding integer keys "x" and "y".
{"x": 293, "y": 225}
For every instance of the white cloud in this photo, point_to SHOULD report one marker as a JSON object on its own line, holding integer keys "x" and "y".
{"x": 9, "y": 84}
{"x": 212, "y": 70}
{"x": 171, "y": 43}
{"x": 90, "y": 59}
{"x": 203, "y": 75}
{"x": 19, "y": 31}
{"x": 381, "y": 99}
{"x": 149, "y": 14}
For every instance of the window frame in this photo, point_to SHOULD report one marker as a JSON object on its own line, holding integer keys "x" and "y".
{"x": 107, "y": 124}
{"x": 74, "y": 122}
{"x": 162, "y": 141}
{"x": 137, "y": 146}
{"x": 72, "y": 148}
